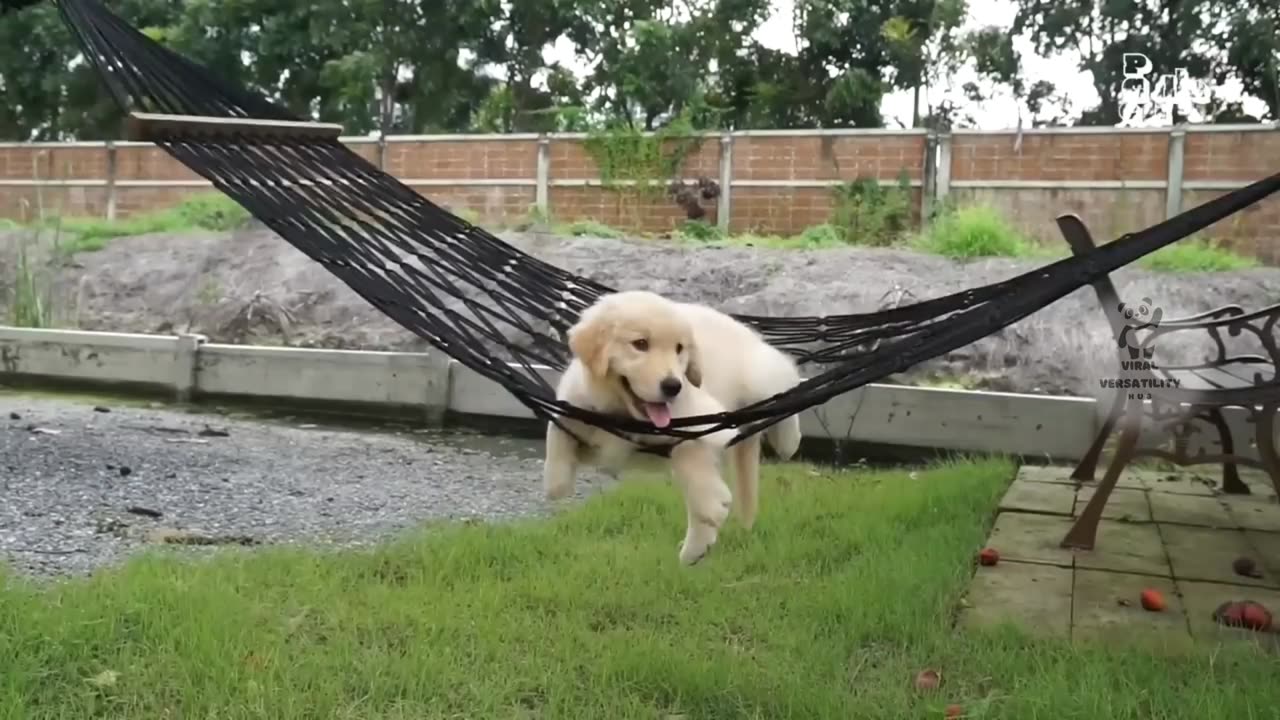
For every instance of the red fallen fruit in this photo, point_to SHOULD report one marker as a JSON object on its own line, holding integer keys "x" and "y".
{"x": 1256, "y": 617}
{"x": 1244, "y": 614}
{"x": 927, "y": 680}
{"x": 954, "y": 711}
{"x": 1230, "y": 614}
{"x": 988, "y": 557}
{"x": 1152, "y": 600}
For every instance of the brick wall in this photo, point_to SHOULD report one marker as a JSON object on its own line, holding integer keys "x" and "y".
{"x": 1129, "y": 169}
{"x": 782, "y": 182}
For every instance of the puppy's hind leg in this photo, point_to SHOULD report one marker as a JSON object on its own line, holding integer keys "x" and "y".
{"x": 784, "y": 437}
{"x": 707, "y": 498}
{"x": 746, "y": 473}
{"x": 560, "y": 464}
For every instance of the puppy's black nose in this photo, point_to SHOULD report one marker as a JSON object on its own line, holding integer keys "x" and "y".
{"x": 670, "y": 386}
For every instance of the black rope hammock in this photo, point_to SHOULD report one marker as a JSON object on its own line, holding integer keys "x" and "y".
{"x": 473, "y": 296}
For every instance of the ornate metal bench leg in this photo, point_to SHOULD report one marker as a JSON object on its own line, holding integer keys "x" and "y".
{"x": 1231, "y": 482}
{"x": 1084, "y": 532}
{"x": 1088, "y": 465}
{"x": 1266, "y": 429}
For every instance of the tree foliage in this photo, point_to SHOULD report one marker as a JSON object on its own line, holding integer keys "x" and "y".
{"x": 1213, "y": 40}
{"x": 405, "y": 66}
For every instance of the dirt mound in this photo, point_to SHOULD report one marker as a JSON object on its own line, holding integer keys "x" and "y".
{"x": 251, "y": 286}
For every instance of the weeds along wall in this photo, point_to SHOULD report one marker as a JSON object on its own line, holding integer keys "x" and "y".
{"x": 768, "y": 182}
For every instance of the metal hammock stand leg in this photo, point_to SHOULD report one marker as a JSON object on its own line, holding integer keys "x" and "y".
{"x": 475, "y": 297}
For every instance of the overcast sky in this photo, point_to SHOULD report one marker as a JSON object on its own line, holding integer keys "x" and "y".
{"x": 1001, "y": 112}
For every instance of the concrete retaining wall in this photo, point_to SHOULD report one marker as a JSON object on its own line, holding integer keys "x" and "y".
{"x": 433, "y": 387}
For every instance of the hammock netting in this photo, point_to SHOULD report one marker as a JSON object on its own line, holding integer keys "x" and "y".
{"x": 478, "y": 299}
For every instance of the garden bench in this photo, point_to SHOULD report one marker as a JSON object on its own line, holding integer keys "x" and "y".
{"x": 1174, "y": 397}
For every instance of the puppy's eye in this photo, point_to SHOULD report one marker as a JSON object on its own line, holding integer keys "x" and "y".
{"x": 640, "y": 344}
{"x": 679, "y": 348}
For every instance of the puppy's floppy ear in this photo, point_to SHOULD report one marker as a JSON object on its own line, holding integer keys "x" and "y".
{"x": 589, "y": 340}
{"x": 693, "y": 370}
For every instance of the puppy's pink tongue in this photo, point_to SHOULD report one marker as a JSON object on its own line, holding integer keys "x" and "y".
{"x": 659, "y": 414}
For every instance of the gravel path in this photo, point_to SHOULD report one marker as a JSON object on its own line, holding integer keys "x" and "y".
{"x": 81, "y": 488}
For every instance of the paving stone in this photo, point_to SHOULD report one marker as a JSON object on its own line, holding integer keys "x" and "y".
{"x": 1044, "y": 497}
{"x": 1031, "y": 538}
{"x": 1183, "y": 482}
{"x": 1035, "y": 598}
{"x": 1253, "y": 512}
{"x": 1184, "y": 519}
{"x": 1206, "y": 511}
{"x": 1045, "y": 474}
{"x": 1266, "y": 547}
{"x": 1260, "y": 483}
{"x": 1126, "y": 547}
{"x": 1204, "y": 554}
{"x": 1129, "y": 478}
{"x": 1200, "y": 600}
{"x": 1107, "y": 606}
{"x": 1124, "y": 504}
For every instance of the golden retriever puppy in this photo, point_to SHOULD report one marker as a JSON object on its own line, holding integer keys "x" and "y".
{"x": 640, "y": 354}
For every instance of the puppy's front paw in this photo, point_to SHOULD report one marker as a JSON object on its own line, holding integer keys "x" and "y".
{"x": 556, "y": 486}
{"x": 697, "y": 543}
{"x": 714, "y": 510}
{"x": 692, "y": 552}
{"x": 557, "y": 491}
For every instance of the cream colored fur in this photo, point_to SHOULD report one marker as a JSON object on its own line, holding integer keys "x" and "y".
{"x": 624, "y": 346}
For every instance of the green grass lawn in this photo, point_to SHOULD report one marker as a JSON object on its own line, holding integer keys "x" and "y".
{"x": 844, "y": 591}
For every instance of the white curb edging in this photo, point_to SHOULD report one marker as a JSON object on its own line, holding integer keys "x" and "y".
{"x": 431, "y": 385}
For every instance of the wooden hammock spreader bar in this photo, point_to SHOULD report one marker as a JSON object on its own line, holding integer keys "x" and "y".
{"x": 148, "y": 127}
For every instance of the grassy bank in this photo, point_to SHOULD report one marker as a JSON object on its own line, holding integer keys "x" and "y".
{"x": 973, "y": 233}
{"x": 864, "y": 214}
{"x": 208, "y": 211}
{"x": 27, "y": 297}
{"x": 828, "y": 609}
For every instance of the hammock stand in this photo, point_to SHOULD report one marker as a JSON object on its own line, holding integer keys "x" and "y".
{"x": 466, "y": 292}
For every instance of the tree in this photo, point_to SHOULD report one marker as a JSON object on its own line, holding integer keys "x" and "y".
{"x": 848, "y": 48}
{"x": 1169, "y": 33}
{"x": 999, "y": 65}
{"x": 1251, "y": 36}
{"x": 527, "y": 94}
{"x": 32, "y": 49}
{"x": 927, "y": 49}
{"x": 49, "y": 91}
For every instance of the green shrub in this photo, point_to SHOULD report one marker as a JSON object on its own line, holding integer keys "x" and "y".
{"x": 971, "y": 232}
{"x": 868, "y": 213}
{"x": 89, "y": 234}
{"x": 30, "y": 299}
{"x": 210, "y": 211}
{"x": 590, "y": 228}
{"x": 466, "y": 214}
{"x": 1195, "y": 254}
{"x": 814, "y": 238}
{"x": 701, "y": 231}
{"x": 29, "y": 302}
{"x": 820, "y": 236}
